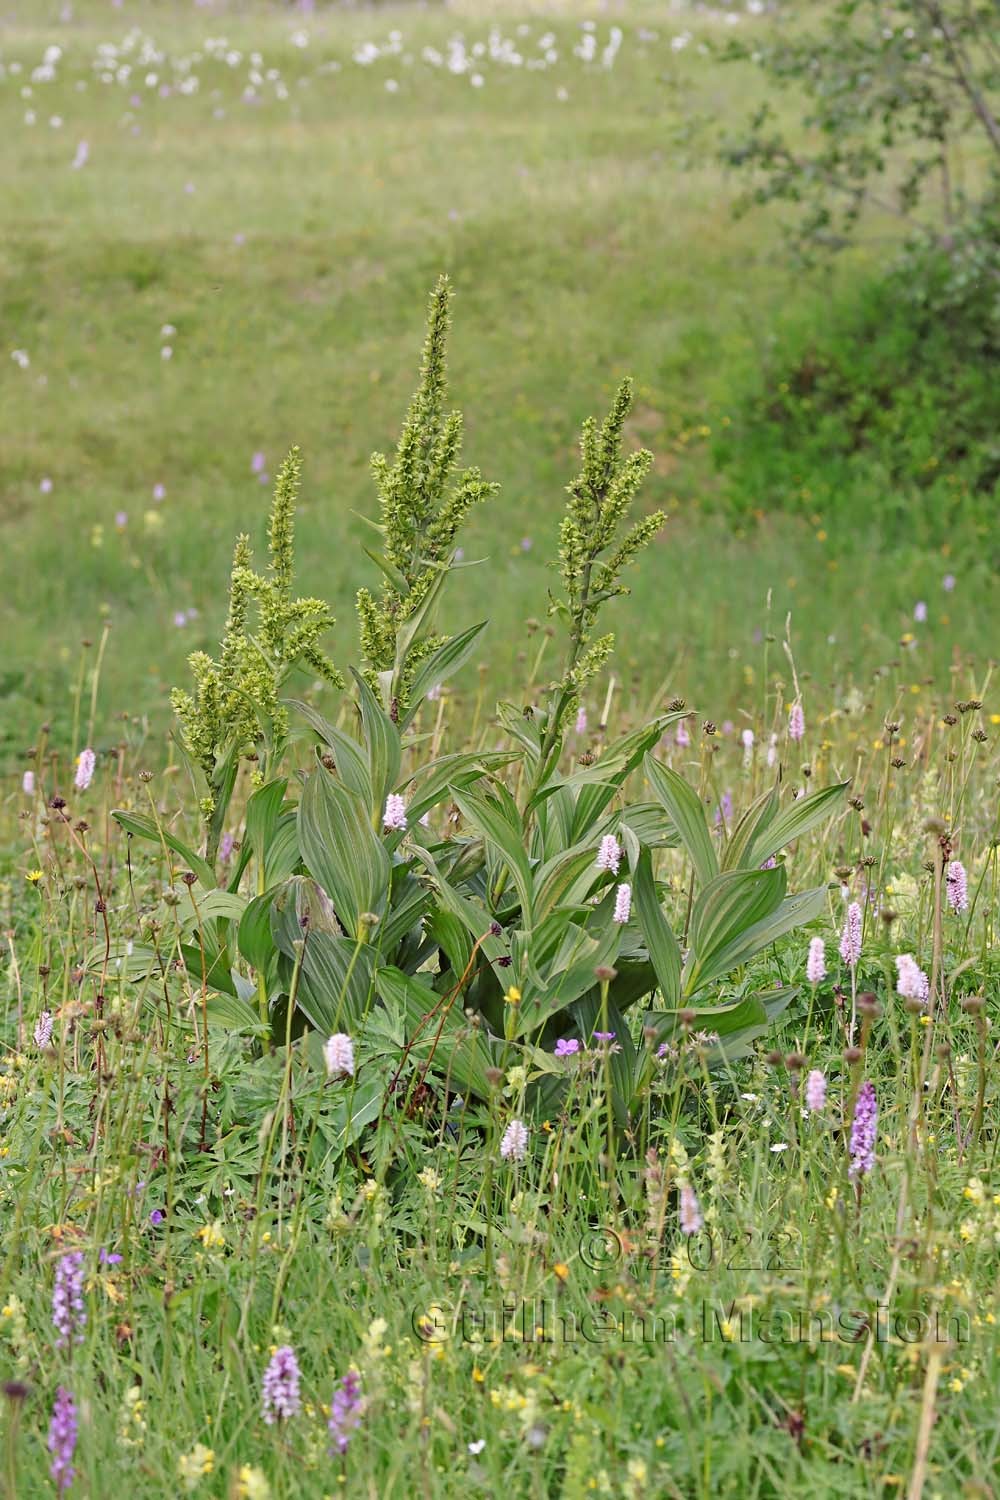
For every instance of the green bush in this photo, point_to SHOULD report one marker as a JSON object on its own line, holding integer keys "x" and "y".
{"x": 884, "y": 415}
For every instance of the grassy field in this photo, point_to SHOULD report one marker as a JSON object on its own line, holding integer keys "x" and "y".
{"x": 289, "y": 229}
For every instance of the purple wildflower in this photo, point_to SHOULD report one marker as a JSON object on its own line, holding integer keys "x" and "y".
{"x": 681, "y": 735}
{"x": 566, "y": 1046}
{"x": 920, "y": 612}
{"x": 258, "y": 463}
{"x": 815, "y": 1091}
{"x": 581, "y": 720}
{"x": 609, "y": 855}
{"x": 394, "y": 817}
{"x": 85, "y": 763}
{"x": 690, "y": 1211}
{"x": 956, "y": 884}
{"x": 157, "y": 1217}
{"x": 816, "y": 962}
{"x": 345, "y": 1412}
{"x": 514, "y": 1143}
{"x": 109, "y": 1257}
{"x": 226, "y": 847}
{"x": 121, "y": 519}
{"x": 43, "y": 1030}
{"x": 28, "y": 783}
{"x": 159, "y": 492}
{"x": 69, "y": 1315}
{"x": 850, "y": 938}
{"x": 280, "y": 1386}
{"x": 948, "y": 582}
{"x": 603, "y": 1036}
{"x": 796, "y": 722}
{"x": 623, "y": 904}
{"x": 63, "y": 1430}
{"x": 863, "y": 1130}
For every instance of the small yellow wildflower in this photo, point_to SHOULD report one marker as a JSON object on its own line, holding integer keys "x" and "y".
{"x": 211, "y": 1235}
{"x": 513, "y": 995}
{"x": 195, "y": 1465}
{"x": 253, "y": 1484}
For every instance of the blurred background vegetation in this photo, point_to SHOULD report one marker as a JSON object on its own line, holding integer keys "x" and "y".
{"x": 824, "y": 425}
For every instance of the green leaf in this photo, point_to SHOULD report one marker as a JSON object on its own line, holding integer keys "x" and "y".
{"x": 687, "y": 815}
{"x": 342, "y": 851}
{"x": 738, "y": 850}
{"x": 382, "y": 741}
{"x": 439, "y": 1033}
{"x": 795, "y": 820}
{"x": 146, "y": 828}
{"x": 497, "y": 819}
{"x": 794, "y": 911}
{"x": 440, "y": 665}
{"x": 662, "y": 946}
{"x": 254, "y": 935}
{"x": 263, "y": 811}
{"x": 350, "y": 760}
{"x": 726, "y": 908}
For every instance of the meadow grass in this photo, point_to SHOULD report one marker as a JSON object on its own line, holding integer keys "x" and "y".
{"x": 290, "y": 242}
{"x": 710, "y": 1296}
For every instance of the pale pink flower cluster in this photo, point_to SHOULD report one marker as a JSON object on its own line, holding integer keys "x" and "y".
{"x": 911, "y": 981}
{"x": 338, "y": 1054}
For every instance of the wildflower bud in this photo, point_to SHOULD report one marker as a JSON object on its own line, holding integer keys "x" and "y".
{"x": 950, "y": 720}
{"x": 496, "y": 930}
{"x": 888, "y": 915}
{"x": 649, "y": 1035}
{"x": 943, "y": 1051}
{"x": 494, "y": 1077}
{"x": 852, "y": 1054}
{"x": 58, "y": 803}
{"x": 587, "y": 759}
{"x": 676, "y": 704}
{"x": 708, "y": 728}
{"x": 857, "y": 803}
{"x": 935, "y": 825}
{"x": 604, "y": 973}
{"x": 971, "y": 1004}
{"x": 913, "y": 1005}
{"x": 15, "y": 1391}
{"x": 980, "y": 736}
{"x": 843, "y": 872}
{"x": 145, "y": 777}
{"x": 369, "y": 919}
{"x": 868, "y": 1005}
{"x": 775, "y": 1058}
{"x": 795, "y": 1062}
{"x": 687, "y": 1018}
{"x": 189, "y": 877}
{"x": 328, "y": 761}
